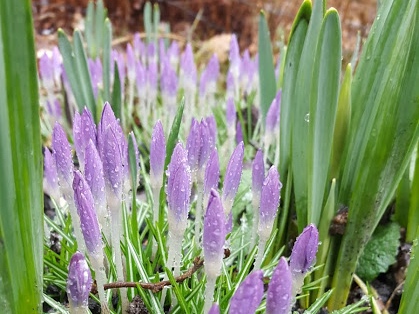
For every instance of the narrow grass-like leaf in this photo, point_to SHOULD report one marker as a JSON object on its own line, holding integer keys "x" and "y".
{"x": 100, "y": 15}
{"x": 316, "y": 306}
{"x": 21, "y": 195}
{"x": 147, "y": 16}
{"x": 156, "y": 22}
{"x": 413, "y": 220}
{"x": 106, "y": 60}
{"x": 266, "y": 67}
{"x": 116, "y": 93}
{"x": 343, "y": 122}
{"x": 300, "y": 115}
{"x": 176, "y": 290}
{"x": 291, "y": 64}
{"x": 384, "y": 130}
{"x": 323, "y": 105}
{"x": 89, "y": 28}
{"x": 410, "y": 297}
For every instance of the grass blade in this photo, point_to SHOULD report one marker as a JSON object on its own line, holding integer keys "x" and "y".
{"x": 21, "y": 195}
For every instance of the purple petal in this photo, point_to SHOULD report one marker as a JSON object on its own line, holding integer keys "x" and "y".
{"x": 279, "y": 294}
{"x": 272, "y": 117}
{"x": 84, "y": 131}
{"x": 137, "y": 160}
{"x": 88, "y": 219}
{"x": 152, "y": 75}
{"x": 269, "y": 199}
{"x": 179, "y": 185}
{"x": 214, "y": 233}
{"x": 239, "y": 132}
{"x": 209, "y": 75}
{"x": 108, "y": 118}
{"x": 169, "y": 79}
{"x": 212, "y": 127}
{"x": 51, "y": 186}
{"x": 173, "y": 53}
{"x": 249, "y": 294}
{"x": 130, "y": 62}
{"x": 258, "y": 173}
{"x": 63, "y": 156}
{"x": 79, "y": 281}
{"x": 233, "y": 176}
{"x": 215, "y": 309}
{"x": 212, "y": 175}
{"x": 93, "y": 173}
{"x": 305, "y": 249}
{"x": 207, "y": 145}
{"x": 157, "y": 153}
{"x": 46, "y": 71}
{"x": 141, "y": 75}
{"x": 152, "y": 52}
{"x": 187, "y": 64}
{"x": 234, "y": 57}
{"x": 139, "y": 47}
{"x": 194, "y": 145}
{"x": 231, "y": 113}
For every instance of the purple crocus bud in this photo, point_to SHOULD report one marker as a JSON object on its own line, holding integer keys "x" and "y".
{"x": 248, "y": 295}
{"x": 88, "y": 218}
{"x": 173, "y": 54}
{"x": 304, "y": 250}
{"x": 119, "y": 58}
{"x": 239, "y": 132}
{"x": 56, "y": 59}
{"x": 245, "y": 69}
{"x": 157, "y": 156}
{"x": 232, "y": 177}
{"x": 137, "y": 162}
{"x": 258, "y": 175}
{"x": 108, "y": 118}
{"x": 141, "y": 75}
{"x": 51, "y": 186}
{"x": 212, "y": 175}
{"x": 152, "y": 52}
{"x": 169, "y": 80}
{"x": 114, "y": 164}
{"x": 231, "y": 113}
{"x": 93, "y": 173}
{"x": 272, "y": 117}
{"x": 209, "y": 76}
{"x": 215, "y": 309}
{"x": 234, "y": 58}
{"x": 63, "y": 158}
{"x": 187, "y": 66}
{"x": 230, "y": 85}
{"x": 139, "y": 48}
{"x": 130, "y": 63}
{"x": 54, "y": 110}
{"x": 214, "y": 234}
{"x": 178, "y": 190}
{"x": 79, "y": 281}
{"x": 208, "y": 144}
{"x": 279, "y": 296}
{"x": 96, "y": 74}
{"x": 84, "y": 131}
{"x": 152, "y": 79}
{"x": 269, "y": 201}
{"x": 193, "y": 146}
{"x": 46, "y": 72}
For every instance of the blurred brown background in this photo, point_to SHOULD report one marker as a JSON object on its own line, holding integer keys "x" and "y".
{"x": 216, "y": 17}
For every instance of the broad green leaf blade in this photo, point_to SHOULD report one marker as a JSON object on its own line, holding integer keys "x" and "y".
{"x": 410, "y": 298}
{"x": 267, "y": 81}
{"x": 384, "y": 130}
{"x": 290, "y": 66}
{"x": 323, "y": 105}
{"x": 300, "y": 115}
{"x": 21, "y": 195}
{"x": 106, "y": 60}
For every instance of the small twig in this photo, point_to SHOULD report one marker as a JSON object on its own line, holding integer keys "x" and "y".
{"x": 158, "y": 286}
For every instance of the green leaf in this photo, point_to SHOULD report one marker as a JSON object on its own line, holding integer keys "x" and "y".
{"x": 147, "y": 16}
{"x": 413, "y": 220}
{"x": 291, "y": 65}
{"x": 21, "y": 195}
{"x": 116, "y": 93}
{"x": 323, "y": 105}
{"x": 267, "y": 81}
{"x": 384, "y": 131}
{"x": 300, "y": 115}
{"x": 106, "y": 60}
{"x": 410, "y": 298}
{"x": 380, "y": 252}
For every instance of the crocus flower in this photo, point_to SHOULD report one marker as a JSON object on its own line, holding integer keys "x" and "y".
{"x": 209, "y": 77}
{"x": 215, "y": 309}
{"x": 303, "y": 255}
{"x": 157, "y": 156}
{"x": 235, "y": 62}
{"x": 187, "y": 67}
{"x": 88, "y": 219}
{"x": 194, "y": 144}
{"x": 232, "y": 178}
{"x": 272, "y": 117}
{"x": 84, "y": 131}
{"x": 258, "y": 176}
{"x": 108, "y": 118}
{"x": 239, "y": 132}
{"x": 178, "y": 190}
{"x": 96, "y": 74}
{"x": 173, "y": 54}
{"x": 93, "y": 173}
{"x": 51, "y": 186}
{"x": 279, "y": 296}
{"x": 139, "y": 48}
{"x": 230, "y": 86}
{"x": 63, "y": 158}
{"x": 128, "y": 178}
{"x": 130, "y": 63}
{"x": 212, "y": 128}
{"x": 169, "y": 84}
{"x": 248, "y": 295}
{"x": 79, "y": 282}
{"x": 214, "y": 235}
{"x": 212, "y": 175}
{"x": 269, "y": 202}
{"x": 231, "y": 114}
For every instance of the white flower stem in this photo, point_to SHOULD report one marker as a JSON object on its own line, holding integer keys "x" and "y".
{"x": 198, "y": 212}
{"x": 259, "y": 256}
{"x": 156, "y": 198}
{"x": 209, "y": 293}
{"x": 78, "y": 309}
{"x": 255, "y": 205}
{"x": 81, "y": 246}
{"x": 96, "y": 259}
